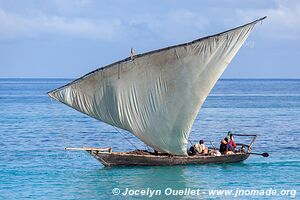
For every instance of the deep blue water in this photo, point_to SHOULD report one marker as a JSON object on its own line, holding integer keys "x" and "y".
{"x": 35, "y": 130}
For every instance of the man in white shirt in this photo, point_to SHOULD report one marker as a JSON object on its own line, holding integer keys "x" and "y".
{"x": 201, "y": 148}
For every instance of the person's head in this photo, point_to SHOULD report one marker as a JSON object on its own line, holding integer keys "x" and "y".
{"x": 226, "y": 139}
{"x": 223, "y": 142}
{"x": 201, "y": 141}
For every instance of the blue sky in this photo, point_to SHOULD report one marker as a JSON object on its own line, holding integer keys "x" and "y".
{"x": 69, "y": 38}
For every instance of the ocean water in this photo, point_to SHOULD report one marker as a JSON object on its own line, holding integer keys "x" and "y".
{"x": 35, "y": 129}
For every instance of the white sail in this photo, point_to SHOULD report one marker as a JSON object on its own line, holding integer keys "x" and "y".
{"x": 157, "y": 95}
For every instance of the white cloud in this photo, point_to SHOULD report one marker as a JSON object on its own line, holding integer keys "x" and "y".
{"x": 170, "y": 25}
{"x": 92, "y": 20}
{"x": 282, "y": 21}
{"x": 13, "y": 26}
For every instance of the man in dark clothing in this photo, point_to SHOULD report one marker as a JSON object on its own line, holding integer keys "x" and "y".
{"x": 225, "y": 147}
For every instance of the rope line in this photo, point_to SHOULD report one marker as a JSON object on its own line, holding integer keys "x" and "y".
{"x": 125, "y": 137}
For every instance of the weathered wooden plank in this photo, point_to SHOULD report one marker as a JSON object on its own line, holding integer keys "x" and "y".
{"x": 89, "y": 149}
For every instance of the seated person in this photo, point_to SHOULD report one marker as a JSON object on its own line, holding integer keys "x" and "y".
{"x": 231, "y": 142}
{"x": 201, "y": 148}
{"x": 191, "y": 151}
{"x": 225, "y": 147}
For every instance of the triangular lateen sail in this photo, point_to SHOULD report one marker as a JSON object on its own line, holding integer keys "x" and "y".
{"x": 157, "y": 95}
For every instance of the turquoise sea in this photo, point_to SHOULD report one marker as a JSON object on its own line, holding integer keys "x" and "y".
{"x": 35, "y": 129}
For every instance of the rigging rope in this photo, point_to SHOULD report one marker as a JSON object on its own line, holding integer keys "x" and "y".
{"x": 125, "y": 137}
{"x": 60, "y": 129}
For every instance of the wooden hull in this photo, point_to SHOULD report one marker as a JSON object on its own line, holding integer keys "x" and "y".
{"x": 127, "y": 159}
